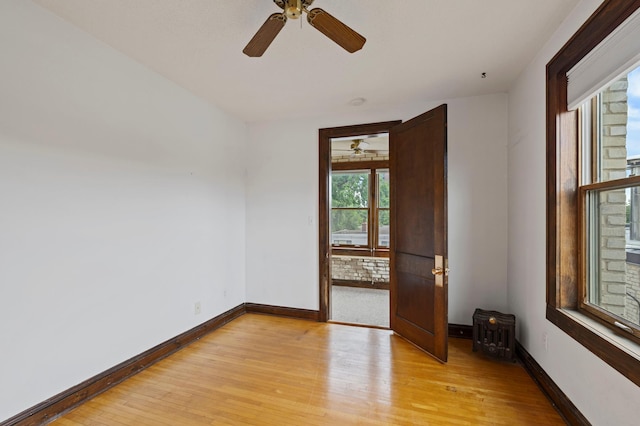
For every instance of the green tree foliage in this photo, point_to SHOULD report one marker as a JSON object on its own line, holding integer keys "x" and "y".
{"x": 349, "y": 190}
{"x": 383, "y": 197}
{"x": 349, "y": 220}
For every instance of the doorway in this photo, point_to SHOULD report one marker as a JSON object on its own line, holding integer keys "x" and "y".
{"x": 354, "y": 228}
{"x": 418, "y": 260}
{"x": 359, "y": 227}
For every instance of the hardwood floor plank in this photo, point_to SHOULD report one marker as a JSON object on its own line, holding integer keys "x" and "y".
{"x": 268, "y": 370}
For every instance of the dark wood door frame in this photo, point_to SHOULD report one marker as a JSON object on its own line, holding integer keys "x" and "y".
{"x": 324, "y": 235}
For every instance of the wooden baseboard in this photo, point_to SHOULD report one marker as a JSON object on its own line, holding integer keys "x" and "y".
{"x": 461, "y": 331}
{"x": 281, "y": 311}
{"x": 65, "y": 401}
{"x": 565, "y": 407}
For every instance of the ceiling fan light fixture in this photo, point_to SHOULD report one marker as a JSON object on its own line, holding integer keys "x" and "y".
{"x": 293, "y": 9}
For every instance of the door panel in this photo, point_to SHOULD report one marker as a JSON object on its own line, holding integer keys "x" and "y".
{"x": 416, "y": 233}
{"x": 419, "y": 230}
{"x": 418, "y": 290}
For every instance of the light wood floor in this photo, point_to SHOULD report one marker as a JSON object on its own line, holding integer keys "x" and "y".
{"x": 263, "y": 370}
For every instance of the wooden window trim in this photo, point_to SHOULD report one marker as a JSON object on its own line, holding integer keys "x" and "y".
{"x": 373, "y": 249}
{"x": 563, "y": 170}
{"x": 356, "y": 251}
{"x": 368, "y": 209}
{"x": 360, "y": 165}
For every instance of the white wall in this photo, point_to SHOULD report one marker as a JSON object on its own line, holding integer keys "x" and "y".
{"x": 603, "y": 395}
{"x": 282, "y": 204}
{"x": 121, "y": 204}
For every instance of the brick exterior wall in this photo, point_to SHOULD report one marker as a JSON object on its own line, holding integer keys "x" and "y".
{"x": 360, "y": 268}
{"x": 618, "y": 278}
{"x": 631, "y": 308}
{"x": 613, "y": 165}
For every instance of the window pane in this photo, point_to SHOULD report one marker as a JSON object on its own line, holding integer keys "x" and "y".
{"x": 383, "y": 228}
{"x": 350, "y": 189}
{"x": 617, "y": 128}
{"x": 613, "y": 273}
{"x": 349, "y": 227}
{"x": 383, "y": 188}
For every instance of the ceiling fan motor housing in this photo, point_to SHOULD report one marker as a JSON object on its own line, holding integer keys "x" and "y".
{"x": 293, "y": 9}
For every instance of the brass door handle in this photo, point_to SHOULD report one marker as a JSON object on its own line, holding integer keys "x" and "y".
{"x": 440, "y": 271}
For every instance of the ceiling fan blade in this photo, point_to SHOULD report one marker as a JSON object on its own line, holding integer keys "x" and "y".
{"x": 350, "y": 40}
{"x": 265, "y": 35}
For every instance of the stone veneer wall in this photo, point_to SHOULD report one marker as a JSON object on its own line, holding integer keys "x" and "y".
{"x": 360, "y": 268}
{"x": 613, "y": 165}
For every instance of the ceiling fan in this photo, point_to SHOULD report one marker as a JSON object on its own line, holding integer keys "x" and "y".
{"x": 337, "y": 31}
{"x": 358, "y": 147}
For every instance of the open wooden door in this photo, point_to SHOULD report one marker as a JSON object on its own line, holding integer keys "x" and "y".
{"x": 418, "y": 246}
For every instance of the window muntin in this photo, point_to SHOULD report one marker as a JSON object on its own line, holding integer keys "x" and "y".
{"x": 610, "y": 188}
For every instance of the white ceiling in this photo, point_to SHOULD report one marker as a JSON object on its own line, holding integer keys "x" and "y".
{"x": 416, "y": 50}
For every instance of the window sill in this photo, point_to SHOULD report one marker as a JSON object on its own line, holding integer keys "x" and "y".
{"x": 614, "y": 349}
{"x": 630, "y": 347}
{"x": 358, "y": 252}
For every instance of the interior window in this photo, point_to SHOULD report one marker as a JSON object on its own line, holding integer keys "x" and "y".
{"x": 360, "y": 209}
{"x": 350, "y": 208}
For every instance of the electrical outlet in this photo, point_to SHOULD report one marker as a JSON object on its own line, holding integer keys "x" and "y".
{"x": 196, "y": 308}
